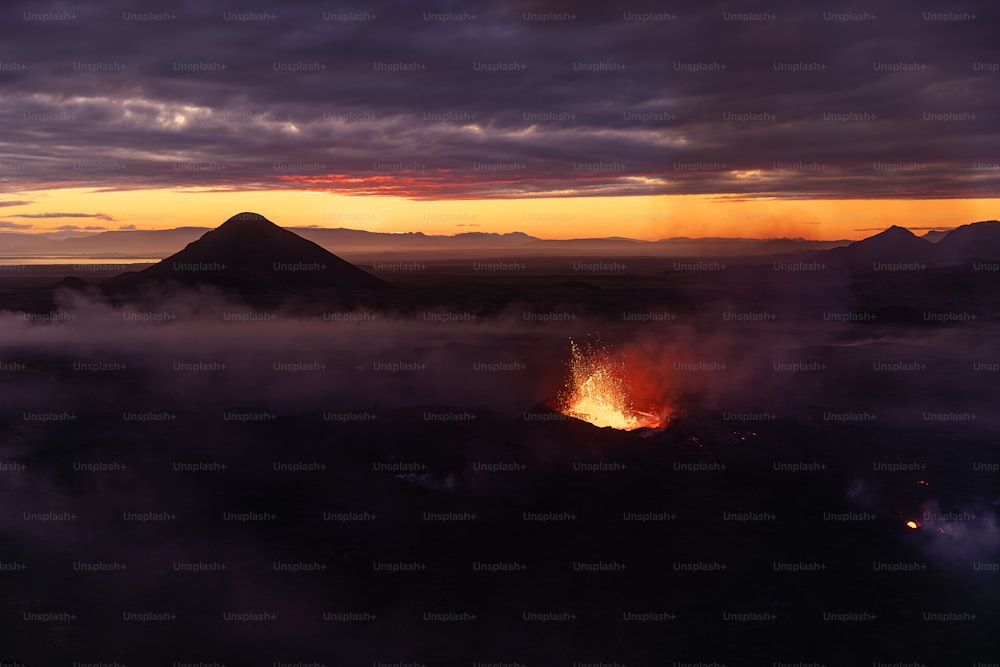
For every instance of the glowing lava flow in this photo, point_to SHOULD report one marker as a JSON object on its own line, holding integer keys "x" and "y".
{"x": 597, "y": 392}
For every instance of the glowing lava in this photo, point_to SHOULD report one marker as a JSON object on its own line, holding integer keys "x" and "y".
{"x": 597, "y": 391}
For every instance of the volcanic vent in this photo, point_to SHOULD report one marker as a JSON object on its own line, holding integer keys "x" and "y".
{"x": 251, "y": 254}
{"x": 598, "y": 391}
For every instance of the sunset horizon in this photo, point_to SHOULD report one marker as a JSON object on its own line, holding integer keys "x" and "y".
{"x": 556, "y": 218}
{"x": 404, "y": 120}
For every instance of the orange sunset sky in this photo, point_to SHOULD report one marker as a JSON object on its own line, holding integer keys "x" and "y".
{"x": 603, "y": 123}
{"x": 641, "y": 217}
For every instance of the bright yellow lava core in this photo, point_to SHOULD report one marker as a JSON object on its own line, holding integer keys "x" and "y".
{"x": 596, "y": 391}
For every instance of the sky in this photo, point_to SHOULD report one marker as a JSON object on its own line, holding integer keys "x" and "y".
{"x": 559, "y": 119}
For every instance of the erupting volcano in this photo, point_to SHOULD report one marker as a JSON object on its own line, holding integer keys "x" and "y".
{"x": 597, "y": 391}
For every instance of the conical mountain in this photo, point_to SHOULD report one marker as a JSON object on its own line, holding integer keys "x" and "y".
{"x": 251, "y": 254}
{"x": 895, "y": 244}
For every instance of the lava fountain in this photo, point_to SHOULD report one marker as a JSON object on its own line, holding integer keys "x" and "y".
{"x": 597, "y": 391}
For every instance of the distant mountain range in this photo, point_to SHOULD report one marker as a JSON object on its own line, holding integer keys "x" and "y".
{"x": 980, "y": 239}
{"x": 144, "y": 244}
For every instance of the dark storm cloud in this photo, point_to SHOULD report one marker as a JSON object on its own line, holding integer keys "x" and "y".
{"x": 783, "y": 99}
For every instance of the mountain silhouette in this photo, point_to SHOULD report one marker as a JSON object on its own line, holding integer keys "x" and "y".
{"x": 934, "y": 235}
{"x": 250, "y": 254}
{"x": 895, "y": 244}
{"x": 978, "y": 240}
{"x": 74, "y": 283}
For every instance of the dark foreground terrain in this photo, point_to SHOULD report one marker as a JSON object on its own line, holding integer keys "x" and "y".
{"x": 200, "y": 479}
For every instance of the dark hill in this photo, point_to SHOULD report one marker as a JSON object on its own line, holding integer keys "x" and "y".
{"x": 72, "y": 283}
{"x": 895, "y": 244}
{"x": 250, "y": 254}
{"x": 978, "y": 240}
{"x": 934, "y": 235}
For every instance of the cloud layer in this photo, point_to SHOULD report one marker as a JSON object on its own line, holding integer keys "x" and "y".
{"x": 512, "y": 99}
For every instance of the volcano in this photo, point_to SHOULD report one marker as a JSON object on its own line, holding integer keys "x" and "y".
{"x": 252, "y": 255}
{"x": 895, "y": 244}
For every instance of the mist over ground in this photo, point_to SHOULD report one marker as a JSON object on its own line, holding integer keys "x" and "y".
{"x": 233, "y": 434}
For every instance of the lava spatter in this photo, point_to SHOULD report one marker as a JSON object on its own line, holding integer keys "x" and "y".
{"x": 597, "y": 391}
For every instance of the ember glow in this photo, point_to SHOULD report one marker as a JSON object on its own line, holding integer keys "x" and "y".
{"x": 597, "y": 391}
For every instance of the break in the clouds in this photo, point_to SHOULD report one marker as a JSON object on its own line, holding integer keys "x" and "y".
{"x": 517, "y": 99}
